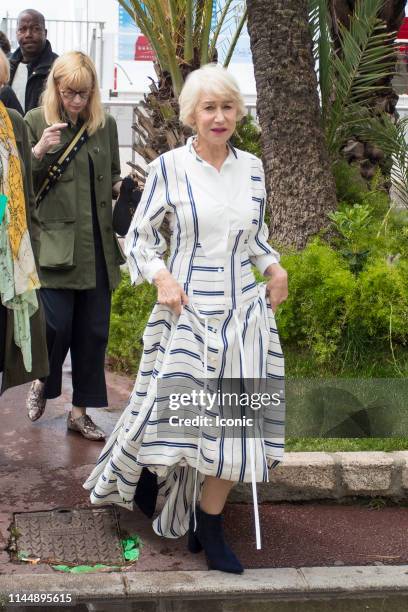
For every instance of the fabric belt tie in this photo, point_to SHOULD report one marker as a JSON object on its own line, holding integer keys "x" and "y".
{"x": 199, "y": 427}
{"x": 250, "y": 440}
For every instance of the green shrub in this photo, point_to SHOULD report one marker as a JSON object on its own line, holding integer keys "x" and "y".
{"x": 354, "y": 225}
{"x": 394, "y": 231}
{"x": 367, "y": 226}
{"x": 131, "y": 308}
{"x": 350, "y": 185}
{"x": 338, "y": 316}
{"x": 247, "y": 136}
{"x": 380, "y": 307}
{"x": 321, "y": 289}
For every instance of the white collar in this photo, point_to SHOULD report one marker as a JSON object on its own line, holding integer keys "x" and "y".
{"x": 232, "y": 153}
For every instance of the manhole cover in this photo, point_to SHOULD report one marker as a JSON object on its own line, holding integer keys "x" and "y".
{"x": 79, "y": 535}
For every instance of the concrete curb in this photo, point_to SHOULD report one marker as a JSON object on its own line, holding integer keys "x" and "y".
{"x": 282, "y": 583}
{"x": 337, "y": 475}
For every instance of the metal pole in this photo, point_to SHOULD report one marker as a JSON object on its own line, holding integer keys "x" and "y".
{"x": 87, "y": 25}
{"x": 101, "y": 25}
{"x": 92, "y": 49}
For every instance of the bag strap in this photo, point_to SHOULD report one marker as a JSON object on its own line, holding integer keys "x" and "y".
{"x": 57, "y": 169}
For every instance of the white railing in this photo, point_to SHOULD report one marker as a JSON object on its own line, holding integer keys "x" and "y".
{"x": 123, "y": 111}
{"x": 402, "y": 106}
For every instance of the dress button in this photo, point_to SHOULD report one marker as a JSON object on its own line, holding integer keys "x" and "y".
{"x": 100, "y": 177}
{"x": 96, "y": 149}
{"x": 103, "y": 204}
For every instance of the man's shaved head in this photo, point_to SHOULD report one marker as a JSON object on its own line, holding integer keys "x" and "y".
{"x": 31, "y": 34}
{"x": 39, "y": 17}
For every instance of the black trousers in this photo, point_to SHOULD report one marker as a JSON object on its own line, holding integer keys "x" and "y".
{"x": 78, "y": 320}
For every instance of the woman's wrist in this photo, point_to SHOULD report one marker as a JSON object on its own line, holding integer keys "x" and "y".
{"x": 274, "y": 270}
{"x": 38, "y": 154}
{"x": 161, "y": 275}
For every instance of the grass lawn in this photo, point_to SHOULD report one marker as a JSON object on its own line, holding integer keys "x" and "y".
{"x": 346, "y": 444}
{"x": 375, "y": 365}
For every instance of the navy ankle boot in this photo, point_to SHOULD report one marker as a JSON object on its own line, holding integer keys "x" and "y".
{"x": 193, "y": 543}
{"x": 210, "y": 537}
{"x": 146, "y": 492}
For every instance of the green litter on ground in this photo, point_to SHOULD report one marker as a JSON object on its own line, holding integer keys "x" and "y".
{"x": 82, "y": 569}
{"x": 131, "y": 551}
{"x": 131, "y": 547}
{"x": 22, "y": 554}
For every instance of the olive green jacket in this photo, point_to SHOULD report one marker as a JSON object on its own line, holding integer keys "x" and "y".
{"x": 14, "y": 372}
{"x": 65, "y": 246}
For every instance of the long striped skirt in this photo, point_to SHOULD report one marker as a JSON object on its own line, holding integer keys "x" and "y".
{"x": 227, "y": 345}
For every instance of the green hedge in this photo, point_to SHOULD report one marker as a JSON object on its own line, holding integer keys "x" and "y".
{"x": 330, "y": 310}
{"x": 131, "y": 307}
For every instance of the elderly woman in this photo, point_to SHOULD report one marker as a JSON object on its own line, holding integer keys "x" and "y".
{"x": 75, "y": 168}
{"x": 211, "y": 321}
{"x": 23, "y": 353}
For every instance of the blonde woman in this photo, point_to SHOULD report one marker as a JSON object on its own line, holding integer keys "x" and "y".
{"x": 23, "y": 353}
{"x": 76, "y": 168}
{"x": 212, "y": 321}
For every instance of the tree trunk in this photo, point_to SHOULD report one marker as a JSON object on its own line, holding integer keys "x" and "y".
{"x": 299, "y": 180}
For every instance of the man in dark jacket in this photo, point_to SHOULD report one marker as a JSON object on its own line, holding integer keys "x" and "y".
{"x": 31, "y": 63}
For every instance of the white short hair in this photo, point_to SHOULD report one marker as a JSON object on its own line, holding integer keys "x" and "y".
{"x": 212, "y": 79}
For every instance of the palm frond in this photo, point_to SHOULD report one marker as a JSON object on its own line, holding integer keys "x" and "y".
{"x": 366, "y": 58}
{"x": 230, "y": 21}
{"x": 392, "y": 139}
{"x": 319, "y": 23}
{"x": 234, "y": 40}
{"x": 314, "y": 9}
{"x": 205, "y": 31}
{"x": 164, "y": 25}
{"x": 188, "y": 39}
{"x": 221, "y": 17}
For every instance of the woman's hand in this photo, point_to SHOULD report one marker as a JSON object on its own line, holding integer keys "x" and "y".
{"x": 277, "y": 286}
{"x": 51, "y": 136}
{"x": 116, "y": 189}
{"x": 169, "y": 292}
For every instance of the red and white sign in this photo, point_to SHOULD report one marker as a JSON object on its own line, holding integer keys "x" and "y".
{"x": 143, "y": 50}
{"x": 403, "y": 31}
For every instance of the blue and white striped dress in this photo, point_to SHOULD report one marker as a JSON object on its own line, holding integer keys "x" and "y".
{"x": 217, "y": 234}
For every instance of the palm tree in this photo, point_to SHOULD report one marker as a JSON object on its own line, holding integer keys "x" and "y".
{"x": 354, "y": 68}
{"x": 391, "y": 137}
{"x": 299, "y": 180}
{"x": 392, "y": 12}
{"x": 184, "y": 36}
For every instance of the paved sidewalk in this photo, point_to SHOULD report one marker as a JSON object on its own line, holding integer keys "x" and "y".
{"x": 42, "y": 467}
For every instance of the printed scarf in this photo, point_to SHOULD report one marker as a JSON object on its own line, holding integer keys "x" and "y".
{"x": 18, "y": 274}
